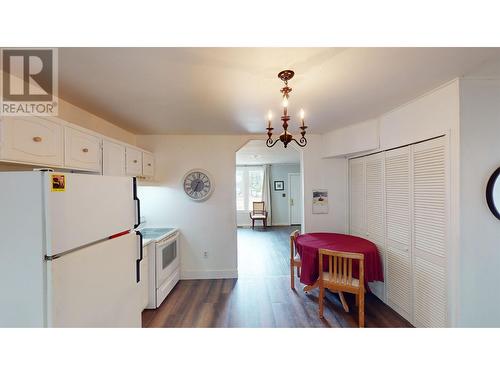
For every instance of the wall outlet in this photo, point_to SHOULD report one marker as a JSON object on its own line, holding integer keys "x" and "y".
{"x": 205, "y": 254}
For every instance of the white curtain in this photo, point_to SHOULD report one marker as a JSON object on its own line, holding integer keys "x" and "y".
{"x": 266, "y": 192}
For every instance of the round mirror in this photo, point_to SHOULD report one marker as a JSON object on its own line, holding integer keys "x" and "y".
{"x": 493, "y": 193}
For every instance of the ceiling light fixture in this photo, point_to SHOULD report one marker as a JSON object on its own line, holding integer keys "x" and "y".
{"x": 286, "y": 137}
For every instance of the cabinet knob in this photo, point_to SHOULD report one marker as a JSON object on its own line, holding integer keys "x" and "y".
{"x": 37, "y": 139}
{"x": 135, "y": 161}
{"x": 85, "y": 150}
{"x": 149, "y": 164}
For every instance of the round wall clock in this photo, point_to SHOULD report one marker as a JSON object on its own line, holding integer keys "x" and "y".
{"x": 198, "y": 184}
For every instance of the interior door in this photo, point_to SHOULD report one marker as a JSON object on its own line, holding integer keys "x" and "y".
{"x": 295, "y": 198}
{"x": 96, "y": 286}
{"x": 430, "y": 228}
{"x": 357, "y": 222}
{"x": 398, "y": 214}
{"x": 375, "y": 212}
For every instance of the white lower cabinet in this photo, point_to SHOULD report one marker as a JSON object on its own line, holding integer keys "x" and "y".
{"x": 31, "y": 140}
{"x": 399, "y": 201}
{"x": 133, "y": 161}
{"x": 82, "y": 151}
{"x": 147, "y": 251}
{"x": 113, "y": 159}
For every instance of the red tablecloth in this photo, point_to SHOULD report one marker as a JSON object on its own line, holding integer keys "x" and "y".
{"x": 309, "y": 243}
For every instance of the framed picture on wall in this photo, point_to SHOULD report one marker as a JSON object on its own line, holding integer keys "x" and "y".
{"x": 279, "y": 185}
{"x": 320, "y": 201}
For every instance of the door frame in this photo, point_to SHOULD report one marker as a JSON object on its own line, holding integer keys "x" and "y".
{"x": 289, "y": 207}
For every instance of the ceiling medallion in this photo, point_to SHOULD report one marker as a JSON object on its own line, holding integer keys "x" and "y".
{"x": 286, "y": 137}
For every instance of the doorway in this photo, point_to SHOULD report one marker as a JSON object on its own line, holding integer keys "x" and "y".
{"x": 272, "y": 176}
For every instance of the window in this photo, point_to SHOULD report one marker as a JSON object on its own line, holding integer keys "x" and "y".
{"x": 248, "y": 186}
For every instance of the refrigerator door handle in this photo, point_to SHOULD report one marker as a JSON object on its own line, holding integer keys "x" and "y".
{"x": 138, "y": 261}
{"x": 138, "y": 203}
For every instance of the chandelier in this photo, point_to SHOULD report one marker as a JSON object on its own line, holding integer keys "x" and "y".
{"x": 286, "y": 137}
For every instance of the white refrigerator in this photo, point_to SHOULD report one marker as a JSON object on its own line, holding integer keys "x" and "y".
{"x": 69, "y": 255}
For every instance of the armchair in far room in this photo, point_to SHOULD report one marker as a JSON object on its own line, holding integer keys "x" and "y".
{"x": 258, "y": 213}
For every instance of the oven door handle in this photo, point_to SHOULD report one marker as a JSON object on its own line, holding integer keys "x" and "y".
{"x": 138, "y": 261}
{"x": 167, "y": 241}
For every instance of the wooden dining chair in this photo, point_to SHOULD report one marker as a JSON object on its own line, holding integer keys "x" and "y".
{"x": 295, "y": 260}
{"x": 339, "y": 278}
{"x": 258, "y": 213}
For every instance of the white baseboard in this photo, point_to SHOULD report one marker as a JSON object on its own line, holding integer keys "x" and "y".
{"x": 211, "y": 274}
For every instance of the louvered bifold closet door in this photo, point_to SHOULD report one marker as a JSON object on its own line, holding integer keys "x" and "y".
{"x": 375, "y": 211}
{"x": 357, "y": 224}
{"x": 430, "y": 213}
{"x": 398, "y": 219}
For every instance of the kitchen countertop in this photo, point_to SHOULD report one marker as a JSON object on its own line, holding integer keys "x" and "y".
{"x": 154, "y": 234}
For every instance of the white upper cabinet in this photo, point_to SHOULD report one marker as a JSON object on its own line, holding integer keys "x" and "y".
{"x": 55, "y": 143}
{"x": 113, "y": 159}
{"x": 133, "y": 159}
{"x": 31, "y": 140}
{"x": 81, "y": 150}
{"x": 148, "y": 164}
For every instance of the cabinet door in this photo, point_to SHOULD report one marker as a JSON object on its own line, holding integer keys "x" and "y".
{"x": 81, "y": 150}
{"x": 133, "y": 162}
{"x": 375, "y": 211}
{"x": 113, "y": 159}
{"x": 148, "y": 164}
{"x": 398, "y": 234}
{"x": 357, "y": 222}
{"x": 430, "y": 218}
{"x": 31, "y": 140}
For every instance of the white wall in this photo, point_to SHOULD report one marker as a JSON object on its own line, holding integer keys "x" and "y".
{"x": 360, "y": 137}
{"x": 211, "y": 225}
{"x": 479, "y": 229}
{"x": 428, "y": 116}
{"x": 330, "y": 174}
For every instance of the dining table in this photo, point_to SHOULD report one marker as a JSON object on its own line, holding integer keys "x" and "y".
{"x": 308, "y": 246}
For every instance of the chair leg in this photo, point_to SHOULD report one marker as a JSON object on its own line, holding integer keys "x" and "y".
{"x": 298, "y": 271}
{"x": 253, "y": 224}
{"x": 292, "y": 276}
{"x": 321, "y": 296}
{"x": 361, "y": 309}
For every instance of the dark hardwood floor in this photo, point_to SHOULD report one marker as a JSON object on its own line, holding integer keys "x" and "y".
{"x": 261, "y": 296}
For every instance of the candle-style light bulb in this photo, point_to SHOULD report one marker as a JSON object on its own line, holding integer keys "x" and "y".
{"x": 285, "y": 102}
{"x": 269, "y": 116}
{"x": 302, "y": 115}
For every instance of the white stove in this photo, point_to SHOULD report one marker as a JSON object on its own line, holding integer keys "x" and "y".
{"x": 164, "y": 263}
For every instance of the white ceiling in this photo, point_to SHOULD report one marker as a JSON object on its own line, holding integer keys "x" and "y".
{"x": 256, "y": 153}
{"x": 230, "y": 90}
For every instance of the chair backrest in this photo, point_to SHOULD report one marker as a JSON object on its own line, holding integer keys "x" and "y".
{"x": 293, "y": 250}
{"x": 340, "y": 266}
{"x": 258, "y": 206}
